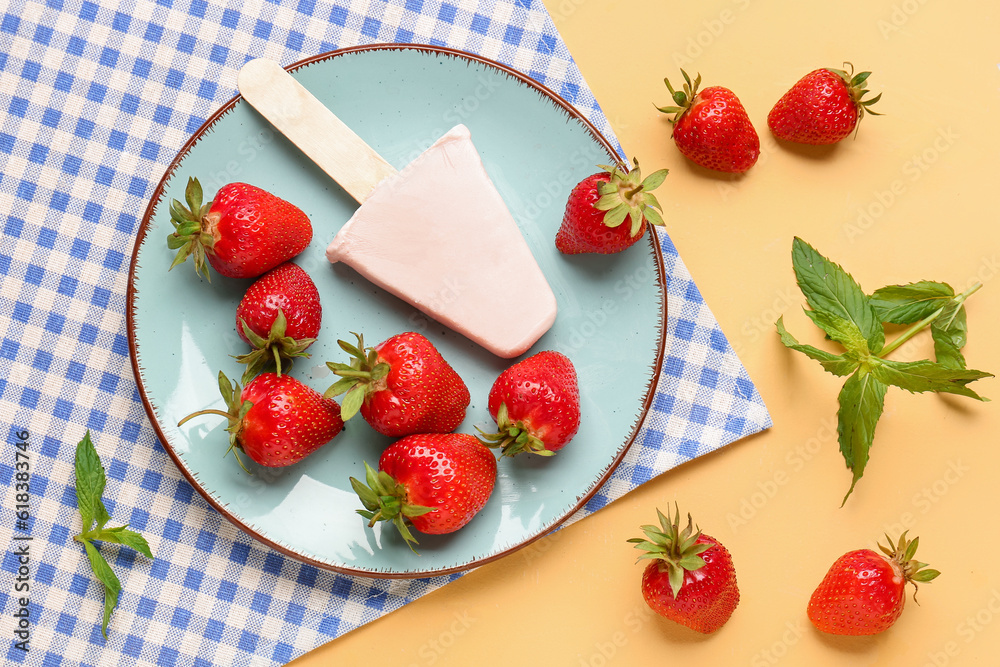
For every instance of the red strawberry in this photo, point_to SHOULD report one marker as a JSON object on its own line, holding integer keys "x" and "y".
{"x": 823, "y": 107}
{"x": 711, "y": 127}
{"x": 691, "y": 579}
{"x": 864, "y": 591}
{"x": 600, "y": 203}
{"x": 401, "y": 386}
{"x": 435, "y": 482}
{"x": 536, "y": 405}
{"x": 243, "y": 232}
{"x": 279, "y": 317}
{"x": 276, "y": 421}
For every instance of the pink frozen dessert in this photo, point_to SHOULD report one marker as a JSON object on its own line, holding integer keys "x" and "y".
{"x": 453, "y": 252}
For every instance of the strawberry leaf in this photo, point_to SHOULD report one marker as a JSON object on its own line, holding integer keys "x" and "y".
{"x": 653, "y": 216}
{"x": 861, "y": 403}
{"x": 676, "y": 578}
{"x": 617, "y": 215}
{"x": 654, "y": 180}
{"x": 693, "y": 562}
{"x": 827, "y": 287}
{"x": 339, "y": 387}
{"x": 353, "y": 400}
{"x": 923, "y": 576}
{"x": 194, "y": 194}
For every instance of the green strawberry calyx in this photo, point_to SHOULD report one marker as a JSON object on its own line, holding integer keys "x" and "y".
{"x": 236, "y": 414}
{"x": 512, "y": 437}
{"x": 364, "y": 375}
{"x": 901, "y": 554}
{"x": 676, "y": 548}
{"x": 194, "y": 229}
{"x": 278, "y": 346}
{"x": 856, "y": 88}
{"x": 683, "y": 99}
{"x": 628, "y": 195}
{"x": 385, "y": 500}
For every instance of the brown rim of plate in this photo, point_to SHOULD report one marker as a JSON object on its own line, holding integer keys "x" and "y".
{"x": 131, "y": 295}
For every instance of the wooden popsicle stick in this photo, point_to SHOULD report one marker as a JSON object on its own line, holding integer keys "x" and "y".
{"x": 308, "y": 124}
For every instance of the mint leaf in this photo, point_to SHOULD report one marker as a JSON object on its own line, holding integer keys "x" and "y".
{"x": 827, "y": 287}
{"x": 122, "y": 535}
{"x": 112, "y": 587}
{"x": 90, "y": 481}
{"x": 906, "y": 304}
{"x": 843, "y": 331}
{"x": 861, "y": 402}
{"x": 950, "y": 332}
{"x": 920, "y": 376}
{"x": 832, "y": 363}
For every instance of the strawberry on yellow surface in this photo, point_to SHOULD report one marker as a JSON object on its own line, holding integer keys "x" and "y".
{"x": 711, "y": 127}
{"x": 691, "y": 579}
{"x": 823, "y": 107}
{"x": 863, "y": 593}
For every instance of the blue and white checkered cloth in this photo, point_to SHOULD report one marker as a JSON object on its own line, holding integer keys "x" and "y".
{"x": 96, "y": 99}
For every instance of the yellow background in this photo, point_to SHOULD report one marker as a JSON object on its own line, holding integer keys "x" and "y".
{"x": 913, "y": 197}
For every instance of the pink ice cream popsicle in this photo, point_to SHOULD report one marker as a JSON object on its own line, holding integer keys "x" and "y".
{"x": 436, "y": 234}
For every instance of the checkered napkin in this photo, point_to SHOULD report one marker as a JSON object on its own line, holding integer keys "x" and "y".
{"x": 96, "y": 98}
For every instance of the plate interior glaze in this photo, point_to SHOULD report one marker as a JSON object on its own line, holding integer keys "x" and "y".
{"x": 399, "y": 99}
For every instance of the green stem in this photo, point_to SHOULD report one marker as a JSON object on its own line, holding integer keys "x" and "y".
{"x": 201, "y": 413}
{"x": 924, "y": 323}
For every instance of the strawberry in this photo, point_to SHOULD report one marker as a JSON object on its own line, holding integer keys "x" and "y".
{"x": 864, "y": 591}
{"x": 435, "y": 482}
{"x": 600, "y": 203}
{"x": 691, "y": 579}
{"x": 279, "y": 317}
{"x": 711, "y": 127}
{"x": 276, "y": 420}
{"x": 401, "y": 386}
{"x": 823, "y": 107}
{"x": 244, "y": 232}
{"x": 536, "y": 405}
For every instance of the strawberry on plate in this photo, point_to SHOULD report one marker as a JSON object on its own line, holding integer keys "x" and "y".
{"x": 691, "y": 579}
{"x": 434, "y": 482}
{"x": 244, "y": 232}
{"x": 863, "y": 593}
{"x": 401, "y": 386}
{"x": 599, "y": 205}
{"x": 711, "y": 127}
{"x": 279, "y": 317}
{"x": 823, "y": 107}
{"x": 536, "y": 405}
{"x": 275, "y": 420}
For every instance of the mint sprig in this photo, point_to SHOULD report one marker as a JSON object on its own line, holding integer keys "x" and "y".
{"x": 90, "y": 482}
{"x": 856, "y": 321}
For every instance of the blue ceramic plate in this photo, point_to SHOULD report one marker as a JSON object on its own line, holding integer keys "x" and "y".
{"x": 399, "y": 99}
